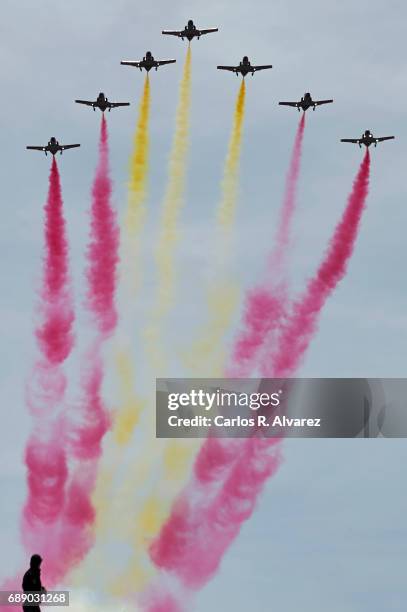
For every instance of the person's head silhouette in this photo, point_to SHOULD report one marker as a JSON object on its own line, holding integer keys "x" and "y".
{"x": 35, "y": 562}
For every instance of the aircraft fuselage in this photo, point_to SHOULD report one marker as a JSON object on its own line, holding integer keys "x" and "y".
{"x": 148, "y": 63}
{"x": 245, "y": 67}
{"x": 102, "y": 103}
{"x": 190, "y": 31}
{"x": 306, "y": 102}
{"x": 53, "y": 146}
{"x": 367, "y": 140}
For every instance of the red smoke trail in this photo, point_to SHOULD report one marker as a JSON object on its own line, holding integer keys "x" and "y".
{"x": 102, "y": 258}
{"x": 92, "y": 418}
{"x": 265, "y": 305}
{"x": 55, "y": 334}
{"x": 188, "y": 527}
{"x": 103, "y": 247}
{"x": 192, "y": 543}
{"x": 59, "y": 513}
{"x": 156, "y": 601}
{"x": 194, "y": 539}
{"x": 264, "y": 311}
{"x": 45, "y": 457}
{"x": 301, "y": 325}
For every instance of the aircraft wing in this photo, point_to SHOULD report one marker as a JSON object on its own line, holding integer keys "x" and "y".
{"x": 207, "y": 31}
{"x": 353, "y": 140}
{"x": 116, "y": 104}
{"x": 318, "y": 102}
{"x": 131, "y": 63}
{"x": 265, "y": 67}
{"x": 231, "y": 68}
{"x": 163, "y": 62}
{"x": 384, "y": 138}
{"x": 37, "y": 148}
{"x": 72, "y": 146}
{"x": 294, "y": 104}
{"x": 87, "y": 102}
{"x": 172, "y": 32}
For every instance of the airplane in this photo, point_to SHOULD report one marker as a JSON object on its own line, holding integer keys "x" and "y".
{"x": 53, "y": 147}
{"x": 306, "y": 102}
{"x": 367, "y": 139}
{"x": 190, "y": 31}
{"x": 102, "y": 102}
{"x": 147, "y": 62}
{"x": 244, "y": 67}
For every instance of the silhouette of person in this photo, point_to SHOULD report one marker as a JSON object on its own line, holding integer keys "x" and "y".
{"x": 32, "y": 581}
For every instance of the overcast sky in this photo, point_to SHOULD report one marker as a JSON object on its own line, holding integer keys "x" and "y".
{"x": 329, "y": 532}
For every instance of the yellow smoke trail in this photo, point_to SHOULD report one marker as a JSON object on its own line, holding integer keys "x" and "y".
{"x": 156, "y": 503}
{"x": 168, "y": 236}
{"x": 142, "y": 527}
{"x": 178, "y": 454}
{"x": 206, "y": 357}
{"x": 128, "y": 414}
{"x": 227, "y": 206}
{"x": 136, "y": 209}
{"x": 132, "y": 406}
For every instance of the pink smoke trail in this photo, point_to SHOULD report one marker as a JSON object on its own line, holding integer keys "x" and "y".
{"x": 55, "y": 333}
{"x": 102, "y": 259}
{"x": 158, "y": 601}
{"x": 265, "y": 305}
{"x": 193, "y": 541}
{"x": 45, "y": 455}
{"x": 264, "y": 310}
{"x": 214, "y": 465}
{"x": 59, "y": 513}
{"x": 103, "y": 248}
{"x": 300, "y": 327}
{"x": 86, "y": 432}
{"x": 191, "y": 544}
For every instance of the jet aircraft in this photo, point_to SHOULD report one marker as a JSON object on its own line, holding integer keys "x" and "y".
{"x": 306, "y": 102}
{"x": 102, "y": 102}
{"x": 147, "y": 62}
{"x": 53, "y": 147}
{"x": 367, "y": 139}
{"x": 244, "y": 67}
{"x": 190, "y": 31}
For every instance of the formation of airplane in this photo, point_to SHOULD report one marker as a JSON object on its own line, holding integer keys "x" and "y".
{"x": 190, "y": 31}
{"x": 244, "y": 67}
{"x": 102, "y": 102}
{"x": 147, "y": 62}
{"x": 53, "y": 147}
{"x": 306, "y": 102}
{"x": 367, "y": 139}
